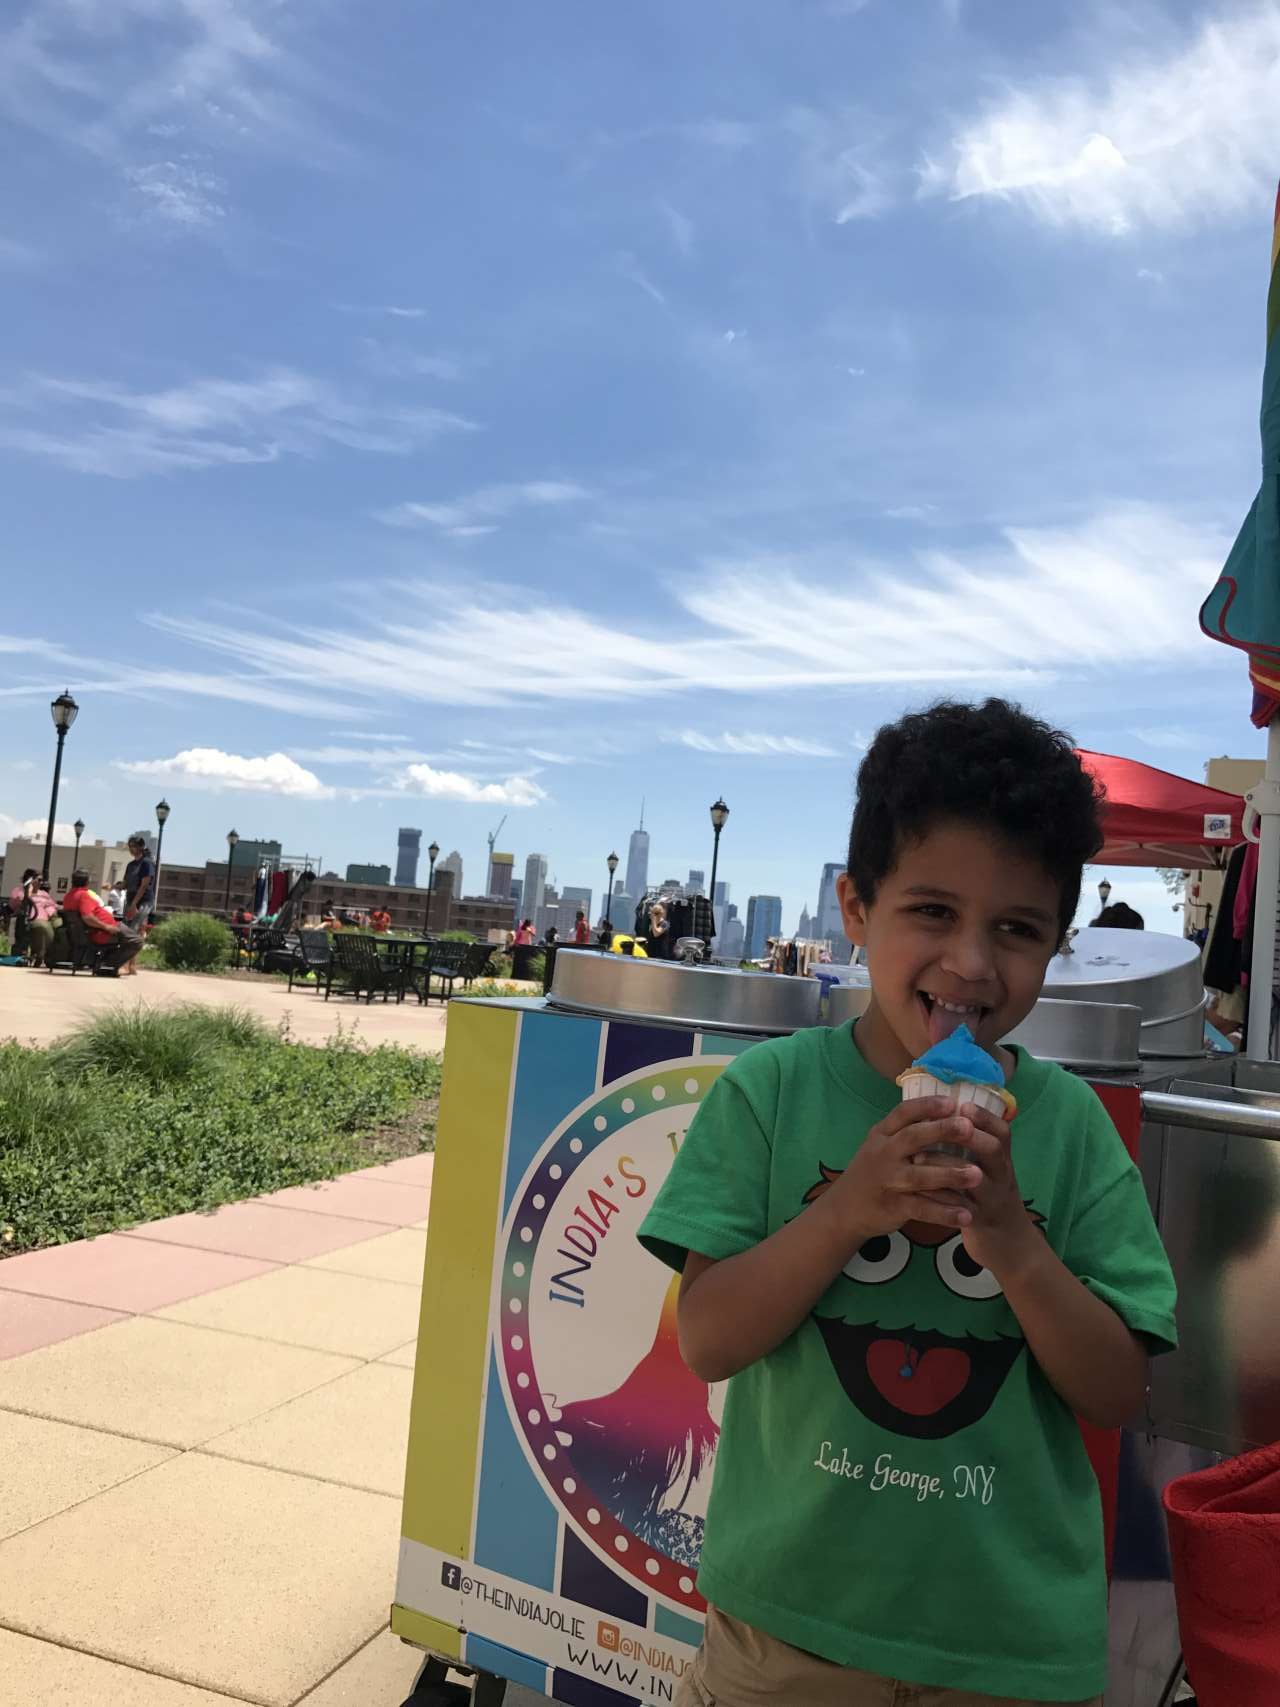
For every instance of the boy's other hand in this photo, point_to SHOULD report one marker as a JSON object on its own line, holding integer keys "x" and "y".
{"x": 883, "y": 1187}
{"x": 1000, "y": 1235}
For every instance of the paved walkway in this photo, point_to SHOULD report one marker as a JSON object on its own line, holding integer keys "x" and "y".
{"x": 41, "y": 1006}
{"x": 202, "y": 1442}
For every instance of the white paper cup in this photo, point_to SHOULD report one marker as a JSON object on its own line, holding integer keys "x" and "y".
{"x": 917, "y": 1084}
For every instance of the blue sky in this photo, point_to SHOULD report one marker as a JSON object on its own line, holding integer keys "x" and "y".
{"x": 428, "y": 413}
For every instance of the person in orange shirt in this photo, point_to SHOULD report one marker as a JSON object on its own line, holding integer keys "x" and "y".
{"x": 121, "y": 942}
{"x": 380, "y": 920}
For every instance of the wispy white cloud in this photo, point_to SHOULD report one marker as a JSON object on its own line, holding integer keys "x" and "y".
{"x": 680, "y": 227}
{"x": 395, "y": 310}
{"x": 634, "y": 273}
{"x": 97, "y": 427}
{"x": 839, "y": 163}
{"x": 18, "y": 255}
{"x": 1174, "y": 737}
{"x": 479, "y": 512}
{"x": 1161, "y": 140}
{"x": 454, "y": 785}
{"x": 1027, "y": 607}
{"x": 211, "y": 768}
{"x": 754, "y": 746}
{"x": 399, "y": 361}
{"x": 176, "y": 193}
{"x": 120, "y": 77}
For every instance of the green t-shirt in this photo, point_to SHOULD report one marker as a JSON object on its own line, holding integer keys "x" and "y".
{"x": 897, "y": 1486}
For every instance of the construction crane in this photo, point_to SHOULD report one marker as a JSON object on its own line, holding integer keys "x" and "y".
{"x": 492, "y": 838}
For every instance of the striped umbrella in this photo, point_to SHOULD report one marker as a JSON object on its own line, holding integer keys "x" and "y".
{"x": 1244, "y": 610}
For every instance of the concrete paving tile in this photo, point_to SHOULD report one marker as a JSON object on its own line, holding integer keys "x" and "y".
{"x": 403, "y": 1357}
{"x": 407, "y": 1170}
{"x": 399, "y": 1255}
{"x": 354, "y": 1431}
{"x": 223, "y": 1575}
{"x": 28, "y": 1323}
{"x": 161, "y": 1381}
{"x": 389, "y": 1201}
{"x": 47, "y": 1466}
{"x": 380, "y": 1675}
{"x": 123, "y": 1274}
{"x": 258, "y": 1230}
{"x": 344, "y": 1313}
{"x": 39, "y": 1674}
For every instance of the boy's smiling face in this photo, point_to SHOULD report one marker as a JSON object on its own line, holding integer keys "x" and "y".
{"x": 960, "y": 932}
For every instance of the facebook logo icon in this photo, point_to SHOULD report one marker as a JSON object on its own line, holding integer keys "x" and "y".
{"x": 450, "y": 1576}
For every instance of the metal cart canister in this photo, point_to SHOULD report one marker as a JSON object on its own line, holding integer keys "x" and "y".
{"x": 560, "y": 1455}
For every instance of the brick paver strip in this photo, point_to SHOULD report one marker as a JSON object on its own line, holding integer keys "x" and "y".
{"x": 365, "y": 1199}
{"x": 28, "y": 1323}
{"x": 265, "y": 1230}
{"x": 116, "y": 1273}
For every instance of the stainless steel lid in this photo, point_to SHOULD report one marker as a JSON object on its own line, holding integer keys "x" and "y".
{"x": 1161, "y": 975}
{"x": 1081, "y": 1034}
{"x": 708, "y": 998}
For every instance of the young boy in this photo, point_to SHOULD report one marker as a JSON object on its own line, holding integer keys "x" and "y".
{"x": 903, "y": 1513}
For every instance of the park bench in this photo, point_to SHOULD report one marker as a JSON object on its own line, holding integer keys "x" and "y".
{"x": 362, "y": 970}
{"x": 313, "y": 955}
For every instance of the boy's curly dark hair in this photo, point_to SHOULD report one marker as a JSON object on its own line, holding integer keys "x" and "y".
{"x": 992, "y": 765}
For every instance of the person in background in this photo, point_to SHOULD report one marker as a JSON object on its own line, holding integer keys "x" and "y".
{"x": 330, "y": 921}
{"x": 581, "y": 931}
{"x": 19, "y": 911}
{"x": 380, "y": 920}
{"x": 43, "y": 920}
{"x": 524, "y": 934}
{"x": 658, "y": 935}
{"x": 551, "y": 935}
{"x": 121, "y": 941}
{"x": 139, "y": 882}
{"x": 115, "y": 899}
{"x": 1119, "y": 917}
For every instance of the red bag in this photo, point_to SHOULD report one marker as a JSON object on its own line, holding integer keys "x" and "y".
{"x": 1224, "y": 1538}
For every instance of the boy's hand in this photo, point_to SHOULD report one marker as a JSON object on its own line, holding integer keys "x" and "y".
{"x": 883, "y": 1188}
{"x": 1000, "y": 1235}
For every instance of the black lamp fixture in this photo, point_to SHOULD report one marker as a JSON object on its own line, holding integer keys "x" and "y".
{"x": 63, "y": 710}
{"x": 162, "y": 818}
{"x": 433, "y": 854}
{"x": 719, "y": 817}
{"x": 612, "y": 863}
{"x": 232, "y": 841}
{"x": 78, "y": 827}
{"x": 1104, "y": 891}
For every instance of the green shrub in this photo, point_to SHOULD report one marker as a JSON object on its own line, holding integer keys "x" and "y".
{"x": 193, "y": 942}
{"x": 88, "y": 1143}
{"x": 157, "y": 1046}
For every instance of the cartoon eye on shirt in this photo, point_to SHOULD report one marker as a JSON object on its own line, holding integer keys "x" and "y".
{"x": 909, "y": 1378}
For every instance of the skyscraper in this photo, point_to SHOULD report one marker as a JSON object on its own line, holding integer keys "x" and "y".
{"x": 407, "y": 846}
{"x": 535, "y": 884}
{"x": 638, "y": 860}
{"x": 720, "y": 910}
{"x": 697, "y": 883}
{"x": 572, "y": 898}
{"x": 764, "y": 920}
{"x": 501, "y": 871}
{"x": 804, "y": 929}
{"x": 827, "y": 923}
{"x": 453, "y": 862}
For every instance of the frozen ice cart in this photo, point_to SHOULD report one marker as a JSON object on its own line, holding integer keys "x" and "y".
{"x": 560, "y": 1453}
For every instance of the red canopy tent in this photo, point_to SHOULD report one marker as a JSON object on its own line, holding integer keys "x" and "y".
{"x": 1152, "y": 817}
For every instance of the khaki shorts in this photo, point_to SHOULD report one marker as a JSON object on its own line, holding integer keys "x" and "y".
{"x": 738, "y": 1666}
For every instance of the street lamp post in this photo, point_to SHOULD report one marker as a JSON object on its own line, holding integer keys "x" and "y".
{"x": 232, "y": 839}
{"x": 433, "y": 854}
{"x": 719, "y": 815}
{"x": 1104, "y": 891}
{"x": 162, "y": 818}
{"x": 78, "y": 827}
{"x": 63, "y": 711}
{"x": 612, "y": 863}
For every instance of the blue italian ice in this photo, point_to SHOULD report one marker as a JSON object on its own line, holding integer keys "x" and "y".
{"x": 958, "y": 1059}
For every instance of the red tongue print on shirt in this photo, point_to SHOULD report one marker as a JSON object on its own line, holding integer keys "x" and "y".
{"x": 936, "y": 1377}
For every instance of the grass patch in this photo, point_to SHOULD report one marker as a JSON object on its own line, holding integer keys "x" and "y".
{"x": 137, "y": 1116}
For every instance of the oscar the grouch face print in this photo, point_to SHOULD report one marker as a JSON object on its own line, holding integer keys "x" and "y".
{"x": 919, "y": 1335}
